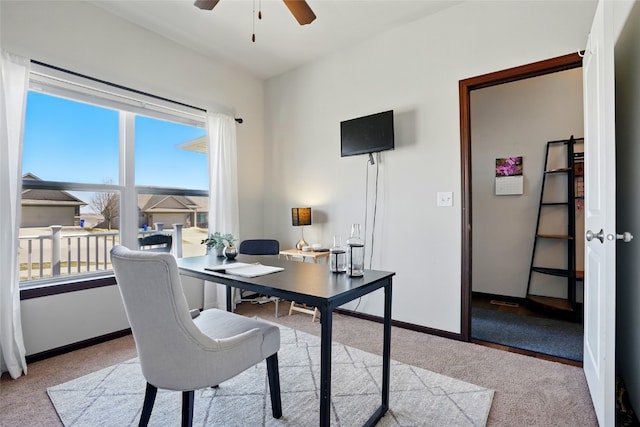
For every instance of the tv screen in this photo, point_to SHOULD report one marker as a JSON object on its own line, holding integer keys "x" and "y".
{"x": 368, "y": 134}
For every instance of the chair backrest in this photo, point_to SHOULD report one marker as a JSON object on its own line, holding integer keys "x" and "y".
{"x": 155, "y": 243}
{"x": 165, "y": 335}
{"x": 259, "y": 247}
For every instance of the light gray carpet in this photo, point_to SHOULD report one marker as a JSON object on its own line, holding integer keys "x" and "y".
{"x": 113, "y": 396}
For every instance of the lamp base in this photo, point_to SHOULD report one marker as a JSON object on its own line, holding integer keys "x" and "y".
{"x": 301, "y": 243}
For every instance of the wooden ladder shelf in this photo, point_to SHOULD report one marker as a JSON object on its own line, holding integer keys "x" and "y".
{"x": 567, "y": 267}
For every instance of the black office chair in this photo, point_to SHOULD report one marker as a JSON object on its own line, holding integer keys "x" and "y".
{"x": 155, "y": 243}
{"x": 260, "y": 247}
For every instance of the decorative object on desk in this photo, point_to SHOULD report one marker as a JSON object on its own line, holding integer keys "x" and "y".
{"x": 230, "y": 252}
{"x": 299, "y": 218}
{"x": 337, "y": 256}
{"x": 218, "y": 241}
{"x": 355, "y": 253}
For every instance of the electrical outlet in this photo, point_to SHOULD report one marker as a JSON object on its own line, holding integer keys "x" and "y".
{"x": 445, "y": 198}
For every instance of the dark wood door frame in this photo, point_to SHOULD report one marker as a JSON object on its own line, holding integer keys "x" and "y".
{"x": 535, "y": 69}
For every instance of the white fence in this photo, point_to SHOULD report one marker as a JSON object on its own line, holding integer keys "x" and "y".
{"x": 57, "y": 254}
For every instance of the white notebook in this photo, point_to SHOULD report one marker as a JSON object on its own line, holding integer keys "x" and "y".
{"x": 244, "y": 269}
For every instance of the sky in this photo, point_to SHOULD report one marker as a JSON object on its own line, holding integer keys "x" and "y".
{"x": 75, "y": 142}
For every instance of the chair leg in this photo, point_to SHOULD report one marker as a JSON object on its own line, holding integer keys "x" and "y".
{"x": 291, "y": 307}
{"x": 274, "y": 385}
{"x": 149, "y": 399}
{"x": 187, "y": 408}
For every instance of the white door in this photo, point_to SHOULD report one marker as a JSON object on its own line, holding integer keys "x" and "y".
{"x": 600, "y": 215}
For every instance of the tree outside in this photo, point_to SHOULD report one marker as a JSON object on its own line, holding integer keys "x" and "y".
{"x": 107, "y": 203}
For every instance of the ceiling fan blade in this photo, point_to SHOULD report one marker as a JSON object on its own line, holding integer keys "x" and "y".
{"x": 206, "y": 4}
{"x": 301, "y": 11}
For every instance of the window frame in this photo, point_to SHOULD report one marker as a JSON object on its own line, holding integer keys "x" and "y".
{"x": 129, "y": 103}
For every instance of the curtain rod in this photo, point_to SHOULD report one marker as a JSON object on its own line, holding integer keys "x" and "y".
{"x": 139, "y": 92}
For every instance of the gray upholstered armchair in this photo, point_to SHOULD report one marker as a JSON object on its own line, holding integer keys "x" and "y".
{"x": 180, "y": 353}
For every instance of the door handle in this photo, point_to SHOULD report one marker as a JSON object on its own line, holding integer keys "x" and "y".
{"x": 625, "y": 237}
{"x": 589, "y": 235}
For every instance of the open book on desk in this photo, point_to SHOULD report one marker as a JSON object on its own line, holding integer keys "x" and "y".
{"x": 244, "y": 270}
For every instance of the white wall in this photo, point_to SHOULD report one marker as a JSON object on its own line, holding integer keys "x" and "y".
{"x": 80, "y": 37}
{"x": 415, "y": 71}
{"x": 627, "y": 54}
{"x": 517, "y": 119}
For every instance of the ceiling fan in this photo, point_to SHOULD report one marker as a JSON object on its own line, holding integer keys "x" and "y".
{"x": 299, "y": 9}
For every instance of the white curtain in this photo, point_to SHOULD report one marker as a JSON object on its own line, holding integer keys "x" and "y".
{"x": 223, "y": 190}
{"x": 14, "y": 80}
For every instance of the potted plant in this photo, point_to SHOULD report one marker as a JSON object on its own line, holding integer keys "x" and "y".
{"x": 218, "y": 241}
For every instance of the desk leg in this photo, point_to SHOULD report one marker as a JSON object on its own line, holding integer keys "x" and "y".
{"x": 386, "y": 359}
{"x": 325, "y": 366}
{"x": 386, "y": 347}
{"x": 229, "y": 295}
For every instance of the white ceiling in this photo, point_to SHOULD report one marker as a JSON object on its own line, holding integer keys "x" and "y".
{"x": 224, "y": 33}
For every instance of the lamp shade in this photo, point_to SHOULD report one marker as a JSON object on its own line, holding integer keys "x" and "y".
{"x": 300, "y": 216}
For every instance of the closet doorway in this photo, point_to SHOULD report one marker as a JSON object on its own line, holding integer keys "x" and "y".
{"x": 497, "y": 283}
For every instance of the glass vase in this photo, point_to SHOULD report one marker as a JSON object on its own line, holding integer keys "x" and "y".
{"x": 355, "y": 253}
{"x": 337, "y": 256}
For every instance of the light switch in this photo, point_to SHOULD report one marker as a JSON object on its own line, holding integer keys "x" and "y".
{"x": 445, "y": 198}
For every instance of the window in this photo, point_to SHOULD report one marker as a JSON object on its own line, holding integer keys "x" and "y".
{"x": 101, "y": 166}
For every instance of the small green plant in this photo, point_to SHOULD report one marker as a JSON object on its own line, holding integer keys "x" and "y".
{"x": 219, "y": 240}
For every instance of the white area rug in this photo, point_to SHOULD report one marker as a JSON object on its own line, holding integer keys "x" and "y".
{"x": 113, "y": 396}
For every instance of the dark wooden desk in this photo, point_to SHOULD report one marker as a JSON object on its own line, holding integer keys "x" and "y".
{"x": 314, "y": 285}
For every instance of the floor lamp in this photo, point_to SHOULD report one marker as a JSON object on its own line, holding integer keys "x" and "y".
{"x": 299, "y": 218}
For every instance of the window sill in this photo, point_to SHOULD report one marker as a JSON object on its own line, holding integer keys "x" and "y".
{"x": 56, "y": 288}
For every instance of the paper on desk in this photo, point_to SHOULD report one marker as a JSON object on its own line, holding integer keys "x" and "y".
{"x": 244, "y": 269}
{"x": 229, "y": 266}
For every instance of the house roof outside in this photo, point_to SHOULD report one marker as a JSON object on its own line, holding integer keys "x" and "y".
{"x": 199, "y": 145}
{"x": 148, "y": 203}
{"x": 38, "y": 197}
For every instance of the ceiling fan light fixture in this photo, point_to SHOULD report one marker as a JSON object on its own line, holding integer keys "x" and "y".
{"x": 206, "y": 4}
{"x": 301, "y": 11}
{"x": 298, "y": 8}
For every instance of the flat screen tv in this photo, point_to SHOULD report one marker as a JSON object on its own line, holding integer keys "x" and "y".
{"x": 368, "y": 134}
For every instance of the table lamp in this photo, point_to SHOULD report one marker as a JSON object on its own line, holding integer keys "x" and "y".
{"x": 299, "y": 218}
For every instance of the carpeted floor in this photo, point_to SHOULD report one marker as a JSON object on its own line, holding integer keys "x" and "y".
{"x": 418, "y": 397}
{"x": 528, "y": 391}
{"x": 541, "y": 335}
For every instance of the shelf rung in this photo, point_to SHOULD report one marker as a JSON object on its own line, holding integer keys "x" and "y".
{"x": 555, "y": 236}
{"x": 561, "y": 272}
{"x": 550, "y": 302}
{"x": 558, "y": 170}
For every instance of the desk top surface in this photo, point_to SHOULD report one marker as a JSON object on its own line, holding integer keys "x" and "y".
{"x": 308, "y": 283}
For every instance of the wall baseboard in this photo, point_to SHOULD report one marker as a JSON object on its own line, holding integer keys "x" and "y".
{"x": 118, "y": 334}
{"x": 403, "y": 325}
{"x": 77, "y": 346}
